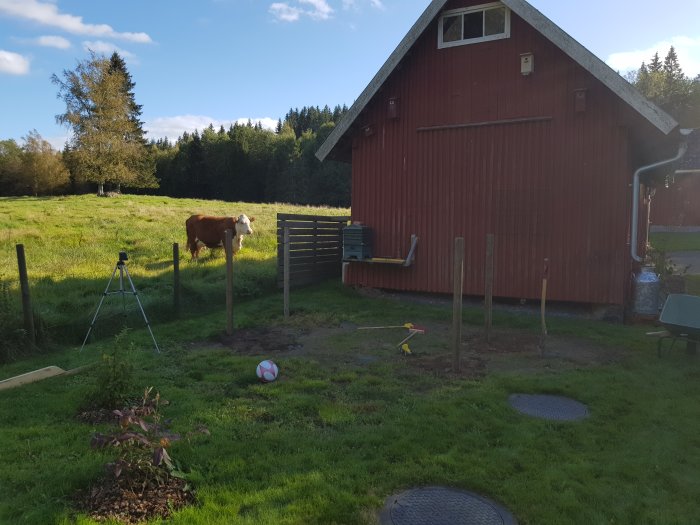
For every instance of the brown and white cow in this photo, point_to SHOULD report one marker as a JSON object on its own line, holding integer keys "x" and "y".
{"x": 203, "y": 230}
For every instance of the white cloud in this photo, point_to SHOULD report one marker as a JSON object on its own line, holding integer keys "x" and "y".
{"x": 13, "y": 63}
{"x": 47, "y": 14}
{"x": 53, "y": 41}
{"x": 285, "y": 13}
{"x": 687, "y": 49}
{"x": 107, "y": 48}
{"x": 174, "y": 127}
{"x": 352, "y": 4}
{"x": 319, "y": 10}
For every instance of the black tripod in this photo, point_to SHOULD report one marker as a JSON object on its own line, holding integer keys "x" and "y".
{"x": 121, "y": 266}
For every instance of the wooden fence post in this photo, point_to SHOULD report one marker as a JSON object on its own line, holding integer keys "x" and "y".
{"x": 26, "y": 300}
{"x": 458, "y": 279}
{"x": 286, "y": 272}
{"x": 229, "y": 281}
{"x": 488, "y": 292}
{"x": 176, "y": 278}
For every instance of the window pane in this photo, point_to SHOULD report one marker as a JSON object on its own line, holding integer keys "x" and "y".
{"x": 452, "y": 28}
{"x": 474, "y": 25}
{"x": 495, "y": 22}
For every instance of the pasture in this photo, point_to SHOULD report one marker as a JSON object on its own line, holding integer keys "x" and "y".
{"x": 350, "y": 420}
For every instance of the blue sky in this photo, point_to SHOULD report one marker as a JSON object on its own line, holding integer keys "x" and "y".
{"x": 196, "y": 62}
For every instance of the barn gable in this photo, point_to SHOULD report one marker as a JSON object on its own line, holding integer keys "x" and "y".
{"x": 458, "y": 136}
{"x": 587, "y": 60}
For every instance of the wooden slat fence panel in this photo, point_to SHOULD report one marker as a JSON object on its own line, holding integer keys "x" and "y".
{"x": 315, "y": 248}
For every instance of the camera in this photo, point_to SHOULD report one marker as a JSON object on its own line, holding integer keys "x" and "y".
{"x": 123, "y": 257}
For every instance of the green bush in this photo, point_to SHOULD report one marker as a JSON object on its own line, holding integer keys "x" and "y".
{"x": 114, "y": 377}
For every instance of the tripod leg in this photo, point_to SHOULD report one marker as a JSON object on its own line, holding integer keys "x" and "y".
{"x": 136, "y": 295}
{"x": 104, "y": 294}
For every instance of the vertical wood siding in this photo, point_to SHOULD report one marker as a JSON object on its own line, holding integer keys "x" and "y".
{"x": 478, "y": 148}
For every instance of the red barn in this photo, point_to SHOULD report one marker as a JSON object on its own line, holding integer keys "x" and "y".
{"x": 489, "y": 119}
{"x": 676, "y": 203}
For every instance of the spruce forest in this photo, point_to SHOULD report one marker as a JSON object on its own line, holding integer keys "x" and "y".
{"x": 251, "y": 164}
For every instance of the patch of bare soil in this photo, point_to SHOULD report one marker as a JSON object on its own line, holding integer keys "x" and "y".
{"x": 509, "y": 350}
{"x": 106, "y": 500}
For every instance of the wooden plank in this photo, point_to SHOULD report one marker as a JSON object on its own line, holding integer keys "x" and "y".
{"x": 311, "y": 250}
{"x": 309, "y": 232}
{"x": 311, "y": 246}
{"x": 314, "y": 268}
{"x": 337, "y": 226}
{"x": 229, "y": 281}
{"x": 26, "y": 298}
{"x": 310, "y": 258}
{"x": 176, "y": 278}
{"x": 295, "y": 217}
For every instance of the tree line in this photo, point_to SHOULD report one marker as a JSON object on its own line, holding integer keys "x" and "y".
{"x": 246, "y": 162}
{"x": 108, "y": 146}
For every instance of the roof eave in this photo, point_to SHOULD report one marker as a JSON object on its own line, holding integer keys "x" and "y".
{"x": 378, "y": 80}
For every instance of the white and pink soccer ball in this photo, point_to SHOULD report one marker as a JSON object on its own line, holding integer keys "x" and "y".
{"x": 267, "y": 371}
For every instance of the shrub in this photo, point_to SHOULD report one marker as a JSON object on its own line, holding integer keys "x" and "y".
{"x": 114, "y": 376}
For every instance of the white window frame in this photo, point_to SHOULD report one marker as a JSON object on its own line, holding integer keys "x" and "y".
{"x": 466, "y": 10}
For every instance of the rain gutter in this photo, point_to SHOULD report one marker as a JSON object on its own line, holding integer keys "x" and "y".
{"x": 635, "y": 196}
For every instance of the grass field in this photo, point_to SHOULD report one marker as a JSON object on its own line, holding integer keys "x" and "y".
{"x": 72, "y": 245}
{"x": 675, "y": 242}
{"x": 350, "y": 420}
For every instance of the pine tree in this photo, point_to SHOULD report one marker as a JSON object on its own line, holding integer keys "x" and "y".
{"x": 666, "y": 85}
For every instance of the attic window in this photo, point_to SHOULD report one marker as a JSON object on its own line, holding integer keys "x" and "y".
{"x": 480, "y": 23}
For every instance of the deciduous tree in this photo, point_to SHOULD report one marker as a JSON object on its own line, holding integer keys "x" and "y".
{"x": 106, "y": 145}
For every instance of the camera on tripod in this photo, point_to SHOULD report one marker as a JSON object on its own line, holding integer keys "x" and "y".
{"x": 122, "y": 257}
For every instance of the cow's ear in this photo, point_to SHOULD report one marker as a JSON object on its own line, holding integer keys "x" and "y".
{"x": 252, "y": 219}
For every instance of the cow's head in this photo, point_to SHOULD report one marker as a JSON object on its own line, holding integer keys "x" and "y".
{"x": 243, "y": 225}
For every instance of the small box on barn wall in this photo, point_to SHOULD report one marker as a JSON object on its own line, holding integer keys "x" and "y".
{"x": 393, "y": 108}
{"x": 580, "y": 100}
{"x": 527, "y": 64}
{"x": 357, "y": 242}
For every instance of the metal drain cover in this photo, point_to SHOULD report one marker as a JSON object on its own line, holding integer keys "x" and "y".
{"x": 443, "y": 506}
{"x": 557, "y": 408}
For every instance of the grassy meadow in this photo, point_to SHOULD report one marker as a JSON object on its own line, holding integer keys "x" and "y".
{"x": 72, "y": 245}
{"x": 350, "y": 421}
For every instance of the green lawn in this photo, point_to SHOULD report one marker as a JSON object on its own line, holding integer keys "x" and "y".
{"x": 675, "y": 242}
{"x": 352, "y": 422}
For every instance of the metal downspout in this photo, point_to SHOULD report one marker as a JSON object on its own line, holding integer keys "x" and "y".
{"x": 635, "y": 196}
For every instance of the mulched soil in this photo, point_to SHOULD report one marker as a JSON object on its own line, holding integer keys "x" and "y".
{"x": 107, "y": 500}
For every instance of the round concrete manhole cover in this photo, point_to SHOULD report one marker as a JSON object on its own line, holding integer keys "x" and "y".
{"x": 443, "y": 506}
{"x": 557, "y": 408}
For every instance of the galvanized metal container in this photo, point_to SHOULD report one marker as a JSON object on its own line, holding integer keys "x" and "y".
{"x": 647, "y": 286}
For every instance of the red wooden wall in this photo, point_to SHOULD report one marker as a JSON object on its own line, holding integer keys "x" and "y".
{"x": 553, "y": 184}
{"x": 679, "y": 204}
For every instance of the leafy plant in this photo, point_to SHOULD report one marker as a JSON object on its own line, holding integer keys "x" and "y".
{"x": 113, "y": 376}
{"x": 143, "y": 460}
